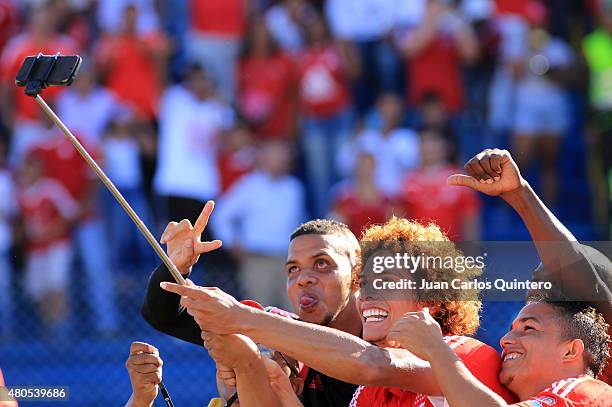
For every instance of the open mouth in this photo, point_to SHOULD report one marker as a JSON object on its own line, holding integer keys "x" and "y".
{"x": 308, "y": 301}
{"x": 512, "y": 356}
{"x": 374, "y": 315}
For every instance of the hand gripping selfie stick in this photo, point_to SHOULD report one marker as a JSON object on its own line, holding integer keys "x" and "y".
{"x": 42, "y": 71}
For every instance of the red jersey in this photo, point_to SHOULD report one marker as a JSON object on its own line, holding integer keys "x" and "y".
{"x": 12, "y": 58}
{"x": 45, "y": 205}
{"x": 323, "y": 84}
{"x": 132, "y": 70}
{"x": 437, "y": 69}
{"x": 224, "y": 17}
{"x": 580, "y": 391}
{"x": 8, "y": 21}
{"x": 233, "y": 165}
{"x": 428, "y": 197}
{"x": 482, "y": 360}
{"x": 266, "y": 94}
{"x": 357, "y": 214}
{"x": 63, "y": 163}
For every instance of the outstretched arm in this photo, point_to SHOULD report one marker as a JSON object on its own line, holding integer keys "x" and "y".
{"x": 330, "y": 351}
{"x": 565, "y": 262}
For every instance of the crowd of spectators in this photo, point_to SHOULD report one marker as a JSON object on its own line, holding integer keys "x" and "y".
{"x": 280, "y": 111}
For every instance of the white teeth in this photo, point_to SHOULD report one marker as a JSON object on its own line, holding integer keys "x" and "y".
{"x": 375, "y": 314}
{"x": 512, "y": 356}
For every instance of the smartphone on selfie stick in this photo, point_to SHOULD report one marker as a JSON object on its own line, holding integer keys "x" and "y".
{"x": 41, "y": 71}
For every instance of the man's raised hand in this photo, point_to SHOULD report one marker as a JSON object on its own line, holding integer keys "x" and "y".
{"x": 492, "y": 172}
{"x": 183, "y": 240}
{"x": 145, "y": 369}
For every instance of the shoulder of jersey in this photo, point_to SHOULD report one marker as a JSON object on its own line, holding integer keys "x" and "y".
{"x": 581, "y": 389}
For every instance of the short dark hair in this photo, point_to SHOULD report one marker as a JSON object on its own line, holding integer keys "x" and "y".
{"x": 330, "y": 227}
{"x": 578, "y": 320}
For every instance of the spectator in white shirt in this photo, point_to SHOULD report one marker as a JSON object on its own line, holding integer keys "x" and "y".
{"x": 368, "y": 25}
{"x": 191, "y": 122}
{"x": 395, "y": 148}
{"x": 86, "y": 107}
{"x": 110, "y": 12}
{"x": 256, "y": 216}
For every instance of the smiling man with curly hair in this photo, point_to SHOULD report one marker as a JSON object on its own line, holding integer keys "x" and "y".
{"x": 455, "y": 310}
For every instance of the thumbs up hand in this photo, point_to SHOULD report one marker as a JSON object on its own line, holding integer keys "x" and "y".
{"x": 492, "y": 172}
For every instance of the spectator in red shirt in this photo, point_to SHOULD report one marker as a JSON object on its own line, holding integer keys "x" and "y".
{"x": 361, "y": 203}
{"x": 266, "y": 84}
{"x": 325, "y": 106}
{"x": 8, "y": 21}
{"x": 19, "y": 111}
{"x": 436, "y": 51}
{"x": 47, "y": 211}
{"x": 134, "y": 64}
{"x": 236, "y": 155}
{"x": 217, "y": 27}
{"x": 428, "y": 198}
{"x": 64, "y": 164}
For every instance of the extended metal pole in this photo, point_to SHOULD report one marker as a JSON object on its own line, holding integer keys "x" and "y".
{"x": 111, "y": 187}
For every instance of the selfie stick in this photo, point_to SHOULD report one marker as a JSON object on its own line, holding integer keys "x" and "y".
{"x": 111, "y": 187}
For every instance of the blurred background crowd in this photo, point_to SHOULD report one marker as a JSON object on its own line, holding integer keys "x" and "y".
{"x": 281, "y": 111}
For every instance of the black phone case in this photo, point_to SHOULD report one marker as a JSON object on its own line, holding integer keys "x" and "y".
{"x": 63, "y": 70}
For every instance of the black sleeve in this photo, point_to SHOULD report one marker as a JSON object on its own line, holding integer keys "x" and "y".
{"x": 163, "y": 311}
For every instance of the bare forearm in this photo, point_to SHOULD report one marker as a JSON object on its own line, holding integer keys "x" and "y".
{"x": 341, "y": 355}
{"x": 225, "y": 392}
{"x": 458, "y": 385}
{"x": 135, "y": 402}
{"x": 253, "y": 387}
{"x": 286, "y": 396}
{"x": 566, "y": 262}
{"x": 554, "y": 242}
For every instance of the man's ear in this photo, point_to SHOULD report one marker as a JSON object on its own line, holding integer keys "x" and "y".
{"x": 574, "y": 350}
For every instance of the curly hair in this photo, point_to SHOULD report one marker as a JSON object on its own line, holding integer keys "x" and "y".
{"x": 456, "y": 310}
